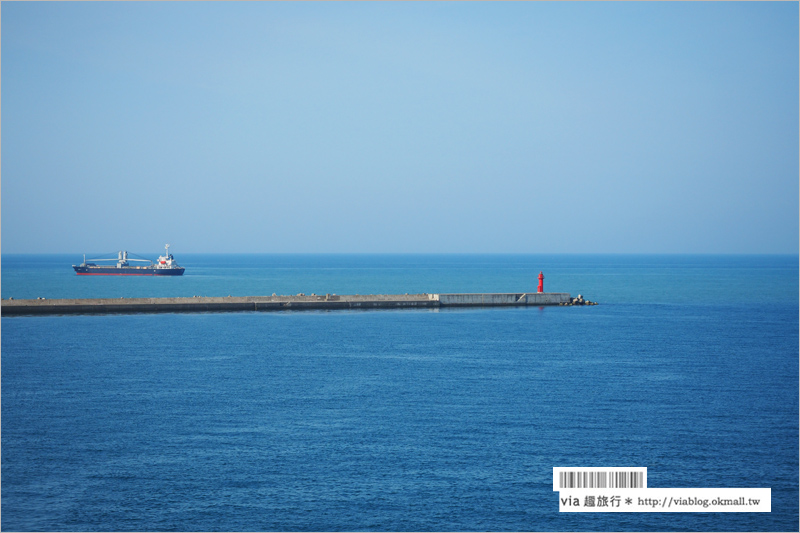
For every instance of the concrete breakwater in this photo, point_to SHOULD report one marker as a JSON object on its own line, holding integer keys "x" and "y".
{"x": 43, "y": 306}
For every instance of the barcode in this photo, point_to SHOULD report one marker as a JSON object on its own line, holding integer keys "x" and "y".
{"x": 600, "y": 480}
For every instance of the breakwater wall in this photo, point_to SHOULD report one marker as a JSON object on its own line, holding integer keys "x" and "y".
{"x": 276, "y": 303}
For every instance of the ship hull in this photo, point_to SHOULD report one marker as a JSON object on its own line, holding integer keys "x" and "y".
{"x": 127, "y": 271}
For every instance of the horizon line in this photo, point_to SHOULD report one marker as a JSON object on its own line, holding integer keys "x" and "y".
{"x": 795, "y": 253}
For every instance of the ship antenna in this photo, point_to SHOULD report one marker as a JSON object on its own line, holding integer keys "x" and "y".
{"x": 168, "y": 250}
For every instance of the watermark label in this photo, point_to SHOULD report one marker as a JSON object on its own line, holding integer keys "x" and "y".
{"x": 705, "y": 500}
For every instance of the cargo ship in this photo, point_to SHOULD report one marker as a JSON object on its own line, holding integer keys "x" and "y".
{"x": 165, "y": 266}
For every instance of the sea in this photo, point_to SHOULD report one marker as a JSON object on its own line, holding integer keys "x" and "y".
{"x": 399, "y": 420}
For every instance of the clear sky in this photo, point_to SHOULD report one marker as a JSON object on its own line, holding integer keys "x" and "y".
{"x": 400, "y": 127}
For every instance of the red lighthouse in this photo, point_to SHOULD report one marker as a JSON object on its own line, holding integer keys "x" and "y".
{"x": 541, "y": 282}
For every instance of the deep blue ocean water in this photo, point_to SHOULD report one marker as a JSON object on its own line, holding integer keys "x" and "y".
{"x": 399, "y": 420}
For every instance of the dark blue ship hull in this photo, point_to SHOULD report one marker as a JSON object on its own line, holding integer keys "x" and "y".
{"x": 91, "y": 270}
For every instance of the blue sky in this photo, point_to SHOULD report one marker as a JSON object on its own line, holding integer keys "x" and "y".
{"x": 400, "y": 127}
